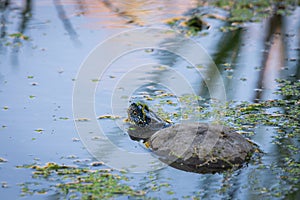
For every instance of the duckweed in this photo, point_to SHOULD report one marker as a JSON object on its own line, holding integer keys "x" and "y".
{"x": 282, "y": 115}
{"x": 238, "y": 12}
{"x": 79, "y": 183}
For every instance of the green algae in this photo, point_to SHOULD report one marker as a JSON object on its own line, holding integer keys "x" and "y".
{"x": 79, "y": 183}
{"x": 281, "y": 115}
{"x": 239, "y": 12}
{"x": 248, "y": 10}
{"x": 95, "y": 185}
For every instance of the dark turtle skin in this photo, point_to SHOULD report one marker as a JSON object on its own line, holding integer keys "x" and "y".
{"x": 144, "y": 122}
{"x": 194, "y": 147}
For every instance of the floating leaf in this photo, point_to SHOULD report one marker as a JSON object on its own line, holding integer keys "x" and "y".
{"x": 64, "y": 118}
{"x": 95, "y": 80}
{"x": 109, "y": 117}
{"x": 39, "y": 130}
{"x": 82, "y": 119}
{"x": 19, "y": 35}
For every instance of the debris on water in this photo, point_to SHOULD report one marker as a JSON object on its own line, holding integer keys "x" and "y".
{"x": 96, "y": 138}
{"x": 109, "y": 117}
{"x": 258, "y": 90}
{"x": 96, "y": 164}
{"x": 161, "y": 68}
{"x": 82, "y": 160}
{"x": 197, "y": 24}
{"x": 39, "y": 130}
{"x": 293, "y": 59}
{"x": 2, "y": 160}
{"x": 189, "y": 25}
{"x": 149, "y": 50}
{"x": 34, "y": 83}
{"x": 4, "y": 185}
{"x": 19, "y": 36}
{"x": 174, "y": 20}
{"x": 64, "y": 118}
{"x": 72, "y": 157}
{"x": 60, "y": 70}
{"x": 75, "y": 139}
{"x": 95, "y": 80}
{"x": 82, "y": 119}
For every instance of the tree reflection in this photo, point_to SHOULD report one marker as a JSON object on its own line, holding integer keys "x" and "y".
{"x": 3, "y": 7}
{"x": 65, "y": 20}
{"x": 272, "y": 58}
{"x": 26, "y": 15}
{"x": 298, "y": 49}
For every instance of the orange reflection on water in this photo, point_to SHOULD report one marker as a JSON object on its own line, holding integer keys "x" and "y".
{"x": 118, "y": 13}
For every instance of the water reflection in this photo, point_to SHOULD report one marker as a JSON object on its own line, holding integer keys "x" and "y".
{"x": 65, "y": 20}
{"x": 26, "y": 15}
{"x": 141, "y": 12}
{"x": 3, "y": 10}
{"x": 24, "y": 11}
{"x": 273, "y": 58}
{"x": 298, "y": 49}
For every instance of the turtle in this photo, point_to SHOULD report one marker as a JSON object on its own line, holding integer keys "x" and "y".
{"x": 190, "y": 146}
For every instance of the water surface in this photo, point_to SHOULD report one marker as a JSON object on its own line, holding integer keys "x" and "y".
{"x": 37, "y": 76}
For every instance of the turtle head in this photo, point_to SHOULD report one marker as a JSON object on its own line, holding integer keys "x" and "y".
{"x": 139, "y": 114}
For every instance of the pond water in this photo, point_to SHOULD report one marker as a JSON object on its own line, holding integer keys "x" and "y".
{"x": 40, "y": 67}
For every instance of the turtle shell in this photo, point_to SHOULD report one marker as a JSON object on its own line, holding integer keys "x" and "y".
{"x": 201, "y": 147}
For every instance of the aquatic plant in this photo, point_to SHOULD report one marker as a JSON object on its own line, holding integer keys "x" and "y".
{"x": 80, "y": 183}
{"x": 238, "y": 12}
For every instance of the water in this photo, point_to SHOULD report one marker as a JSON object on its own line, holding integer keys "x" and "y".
{"x": 38, "y": 75}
